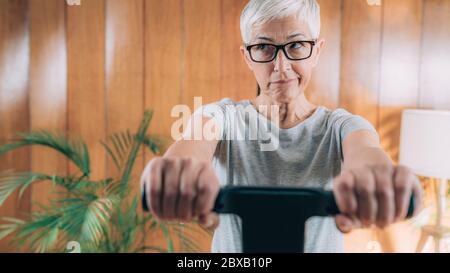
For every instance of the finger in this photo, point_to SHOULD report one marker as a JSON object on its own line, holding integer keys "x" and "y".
{"x": 403, "y": 189}
{"x": 344, "y": 194}
{"x": 171, "y": 179}
{"x": 343, "y": 223}
{"x": 209, "y": 221}
{"x": 187, "y": 189}
{"x": 145, "y": 185}
{"x": 365, "y": 192}
{"x": 154, "y": 187}
{"x": 385, "y": 195}
{"x": 207, "y": 190}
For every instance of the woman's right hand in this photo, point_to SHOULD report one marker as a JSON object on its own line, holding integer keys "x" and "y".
{"x": 181, "y": 189}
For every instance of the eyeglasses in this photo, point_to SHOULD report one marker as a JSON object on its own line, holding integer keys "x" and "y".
{"x": 295, "y": 51}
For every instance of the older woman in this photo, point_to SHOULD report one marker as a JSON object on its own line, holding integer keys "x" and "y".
{"x": 306, "y": 145}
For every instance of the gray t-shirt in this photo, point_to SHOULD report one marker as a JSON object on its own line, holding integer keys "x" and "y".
{"x": 306, "y": 155}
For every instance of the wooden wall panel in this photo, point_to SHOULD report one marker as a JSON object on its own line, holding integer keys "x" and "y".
{"x": 14, "y": 98}
{"x": 360, "y": 59}
{"x": 163, "y": 62}
{"x": 48, "y": 90}
{"x": 435, "y": 80}
{"x": 124, "y": 72}
{"x": 86, "y": 78}
{"x": 324, "y": 86}
{"x": 236, "y": 80}
{"x": 400, "y": 67}
{"x": 201, "y": 51}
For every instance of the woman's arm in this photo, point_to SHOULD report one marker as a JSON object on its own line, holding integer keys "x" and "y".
{"x": 371, "y": 189}
{"x": 202, "y": 149}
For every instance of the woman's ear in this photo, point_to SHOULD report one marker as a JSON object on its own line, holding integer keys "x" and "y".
{"x": 319, "y": 47}
{"x": 246, "y": 58}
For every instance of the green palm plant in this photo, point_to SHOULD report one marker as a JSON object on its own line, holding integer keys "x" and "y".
{"x": 100, "y": 216}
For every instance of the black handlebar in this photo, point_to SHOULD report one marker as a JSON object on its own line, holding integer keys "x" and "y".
{"x": 273, "y": 218}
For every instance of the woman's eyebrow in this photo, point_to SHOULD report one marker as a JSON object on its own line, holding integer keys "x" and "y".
{"x": 264, "y": 38}
{"x": 295, "y": 35}
{"x": 288, "y": 37}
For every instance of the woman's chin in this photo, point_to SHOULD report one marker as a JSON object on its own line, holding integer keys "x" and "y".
{"x": 285, "y": 95}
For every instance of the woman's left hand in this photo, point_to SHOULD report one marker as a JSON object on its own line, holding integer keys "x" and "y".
{"x": 375, "y": 195}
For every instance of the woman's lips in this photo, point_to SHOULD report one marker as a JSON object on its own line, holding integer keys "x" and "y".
{"x": 283, "y": 81}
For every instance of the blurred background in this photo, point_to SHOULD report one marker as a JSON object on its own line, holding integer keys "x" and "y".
{"x": 91, "y": 69}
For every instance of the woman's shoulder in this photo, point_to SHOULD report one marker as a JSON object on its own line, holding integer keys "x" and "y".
{"x": 334, "y": 114}
{"x": 337, "y": 116}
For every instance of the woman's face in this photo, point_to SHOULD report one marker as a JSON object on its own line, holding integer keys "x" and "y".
{"x": 283, "y": 79}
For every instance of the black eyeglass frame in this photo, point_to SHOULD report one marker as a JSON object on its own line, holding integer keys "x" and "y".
{"x": 282, "y": 47}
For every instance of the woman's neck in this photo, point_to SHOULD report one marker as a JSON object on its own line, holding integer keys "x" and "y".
{"x": 290, "y": 113}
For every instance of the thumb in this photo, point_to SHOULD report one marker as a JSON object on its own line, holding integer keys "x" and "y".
{"x": 209, "y": 221}
{"x": 346, "y": 224}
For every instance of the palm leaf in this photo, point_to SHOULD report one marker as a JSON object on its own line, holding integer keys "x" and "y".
{"x": 140, "y": 136}
{"x": 167, "y": 237}
{"x": 13, "y": 224}
{"x": 96, "y": 219}
{"x": 186, "y": 243}
{"x": 45, "y": 240}
{"x": 10, "y": 182}
{"x": 76, "y": 151}
{"x": 153, "y": 142}
{"x": 94, "y": 213}
{"x": 118, "y": 147}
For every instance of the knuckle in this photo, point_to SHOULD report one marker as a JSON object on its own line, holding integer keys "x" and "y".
{"x": 170, "y": 193}
{"x": 205, "y": 189}
{"x": 385, "y": 193}
{"x": 352, "y": 209}
{"x": 188, "y": 161}
{"x": 366, "y": 190}
{"x": 154, "y": 192}
{"x": 345, "y": 186}
{"x": 400, "y": 187}
{"x": 187, "y": 193}
{"x": 155, "y": 164}
{"x": 404, "y": 168}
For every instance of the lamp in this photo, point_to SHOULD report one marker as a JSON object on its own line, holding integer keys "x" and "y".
{"x": 425, "y": 149}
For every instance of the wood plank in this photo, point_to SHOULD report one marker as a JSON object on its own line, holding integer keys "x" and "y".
{"x": 86, "y": 79}
{"x": 125, "y": 73}
{"x": 435, "y": 82}
{"x": 14, "y": 113}
{"x": 360, "y": 59}
{"x": 236, "y": 80}
{"x": 48, "y": 87}
{"x": 163, "y": 63}
{"x": 323, "y": 88}
{"x": 201, "y": 51}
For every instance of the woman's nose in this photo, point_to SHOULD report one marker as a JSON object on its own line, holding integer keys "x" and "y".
{"x": 282, "y": 63}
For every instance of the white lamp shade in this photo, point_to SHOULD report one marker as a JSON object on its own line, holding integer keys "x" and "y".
{"x": 425, "y": 142}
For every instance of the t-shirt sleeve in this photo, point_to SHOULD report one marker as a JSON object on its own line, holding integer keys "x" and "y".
{"x": 345, "y": 123}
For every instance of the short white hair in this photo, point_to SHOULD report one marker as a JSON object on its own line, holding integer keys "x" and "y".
{"x": 262, "y": 11}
